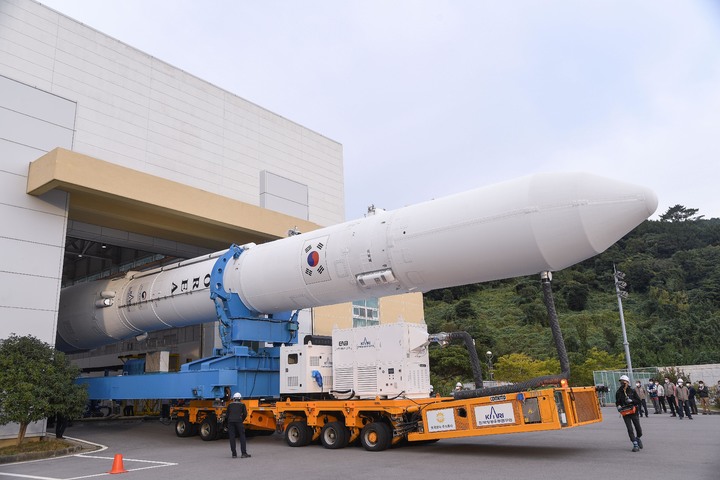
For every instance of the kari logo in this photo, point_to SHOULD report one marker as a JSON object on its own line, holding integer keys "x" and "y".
{"x": 314, "y": 268}
{"x": 500, "y": 414}
{"x": 493, "y": 415}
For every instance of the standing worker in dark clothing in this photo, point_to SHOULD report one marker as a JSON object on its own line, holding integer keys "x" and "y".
{"x": 628, "y": 404}
{"x": 652, "y": 391}
{"x": 681, "y": 394}
{"x": 235, "y": 414}
{"x": 691, "y": 398}
{"x": 61, "y": 423}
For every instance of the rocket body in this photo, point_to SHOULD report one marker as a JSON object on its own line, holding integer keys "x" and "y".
{"x": 521, "y": 227}
{"x": 543, "y": 222}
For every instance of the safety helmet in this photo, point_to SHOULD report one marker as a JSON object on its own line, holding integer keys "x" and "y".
{"x": 458, "y": 384}
{"x": 625, "y": 378}
{"x": 237, "y": 396}
{"x": 680, "y": 380}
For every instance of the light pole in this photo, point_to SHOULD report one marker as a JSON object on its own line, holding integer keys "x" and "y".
{"x": 489, "y": 356}
{"x": 621, "y": 293}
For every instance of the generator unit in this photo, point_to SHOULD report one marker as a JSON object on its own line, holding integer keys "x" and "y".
{"x": 382, "y": 361}
{"x": 305, "y": 369}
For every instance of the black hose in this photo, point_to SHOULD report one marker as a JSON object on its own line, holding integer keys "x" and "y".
{"x": 474, "y": 360}
{"x": 555, "y": 324}
{"x": 350, "y": 394}
{"x": 537, "y": 381}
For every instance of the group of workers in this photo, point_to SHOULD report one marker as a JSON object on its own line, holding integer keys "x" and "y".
{"x": 632, "y": 404}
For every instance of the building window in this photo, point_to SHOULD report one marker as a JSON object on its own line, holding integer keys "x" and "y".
{"x": 365, "y": 313}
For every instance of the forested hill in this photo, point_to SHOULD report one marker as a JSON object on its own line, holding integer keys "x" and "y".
{"x": 672, "y": 312}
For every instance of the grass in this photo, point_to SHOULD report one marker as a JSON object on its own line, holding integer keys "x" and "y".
{"x": 28, "y": 447}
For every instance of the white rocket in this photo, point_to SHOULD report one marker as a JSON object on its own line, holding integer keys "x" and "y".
{"x": 543, "y": 222}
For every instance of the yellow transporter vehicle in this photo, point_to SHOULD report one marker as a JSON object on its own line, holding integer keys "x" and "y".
{"x": 206, "y": 418}
{"x": 378, "y": 424}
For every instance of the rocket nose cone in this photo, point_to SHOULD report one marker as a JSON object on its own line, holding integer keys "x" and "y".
{"x": 599, "y": 212}
{"x": 651, "y": 201}
{"x": 615, "y": 208}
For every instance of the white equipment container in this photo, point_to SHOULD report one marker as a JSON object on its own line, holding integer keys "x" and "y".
{"x": 298, "y": 364}
{"x": 382, "y": 361}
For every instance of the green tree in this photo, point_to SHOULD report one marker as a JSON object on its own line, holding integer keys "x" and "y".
{"x": 451, "y": 362}
{"x": 672, "y": 315}
{"x": 518, "y": 367}
{"x": 36, "y": 382}
{"x": 465, "y": 309}
{"x": 673, "y": 373}
{"x": 576, "y": 295}
{"x": 680, "y": 213}
{"x": 596, "y": 359}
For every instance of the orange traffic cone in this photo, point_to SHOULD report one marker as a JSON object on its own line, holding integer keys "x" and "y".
{"x": 118, "y": 465}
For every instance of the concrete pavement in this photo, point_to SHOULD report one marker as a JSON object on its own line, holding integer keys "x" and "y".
{"x": 677, "y": 448}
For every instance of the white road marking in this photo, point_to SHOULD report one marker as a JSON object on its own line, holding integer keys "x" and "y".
{"x": 155, "y": 464}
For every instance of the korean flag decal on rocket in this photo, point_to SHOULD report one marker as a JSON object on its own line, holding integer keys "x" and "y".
{"x": 313, "y": 261}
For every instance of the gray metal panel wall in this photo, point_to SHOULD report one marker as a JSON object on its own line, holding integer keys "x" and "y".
{"x": 32, "y": 231}
{"x": 141, "y": 113}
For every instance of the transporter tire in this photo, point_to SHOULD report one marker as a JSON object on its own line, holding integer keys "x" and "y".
{"x": 311, "y": 434}
{"x": 209, "y": 429}
{"x": 183, "y": 428}
{"x": 297, "y": 434}
{"x": 334, "y": 435}
{"x": 376, "y": 436}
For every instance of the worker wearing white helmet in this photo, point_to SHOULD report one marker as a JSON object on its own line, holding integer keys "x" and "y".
{"x": 235, "y": 413}
{"x": 458, "y": 386}
{"x": 682, "y": 394}
{"x": 627, "y": 403}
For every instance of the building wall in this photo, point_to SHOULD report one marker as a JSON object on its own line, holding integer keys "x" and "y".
{"x": 397, "y": 308}
{"x": 32, "y": 231}
{"x": 64, "y": 84}
{"x": 141, "y": 113}
{"x": 402, "y": 308}
{"x": 328, "y": 317}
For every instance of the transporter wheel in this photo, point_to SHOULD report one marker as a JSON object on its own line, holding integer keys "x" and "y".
{"x": 297, "y": 434}
{"x": 209, "y": 429}
{"x": 334, "y": 435}
{"x": 183, "y": 428}
{"x": 311, "y": 434}
{"x": 376, "y": 436}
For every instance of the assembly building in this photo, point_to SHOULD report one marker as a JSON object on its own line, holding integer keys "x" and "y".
{"x": 112, "y": 161}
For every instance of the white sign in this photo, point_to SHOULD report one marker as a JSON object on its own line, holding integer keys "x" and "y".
{"x": 492, "y": 415}
{"x": 441, "y": 420}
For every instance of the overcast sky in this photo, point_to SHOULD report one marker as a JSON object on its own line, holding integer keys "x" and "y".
{"x": 431, "y": 98}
